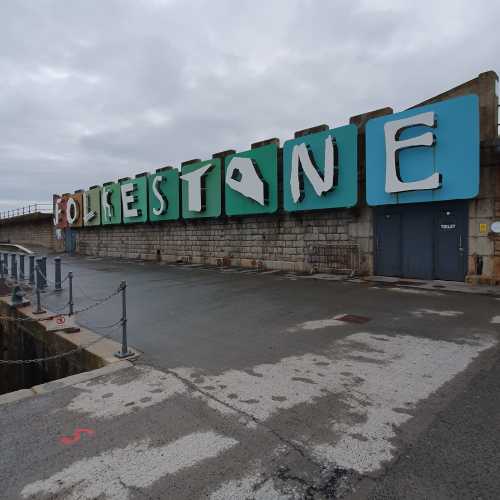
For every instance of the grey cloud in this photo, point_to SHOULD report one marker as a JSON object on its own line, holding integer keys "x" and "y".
{"x": 91, "y": 91}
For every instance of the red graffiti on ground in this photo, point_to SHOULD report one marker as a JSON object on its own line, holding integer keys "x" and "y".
{"x": 75, "y": 438}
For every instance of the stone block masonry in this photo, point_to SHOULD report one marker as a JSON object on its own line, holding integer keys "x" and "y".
{"x": 31, "y": 229}
{"x": 282, "y": 241}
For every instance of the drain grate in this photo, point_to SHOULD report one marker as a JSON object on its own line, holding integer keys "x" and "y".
{"x": 353, "y": 318}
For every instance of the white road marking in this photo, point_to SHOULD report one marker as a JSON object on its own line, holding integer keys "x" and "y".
{"x": 252, "y": 487}
{"x": 377, "y": 376}
{"x": 111, "y": 474}
{"x": 111, "y": 398}
{"x": 450, "y": 314}
{"x": 318, "y": 324}
{"x": 495, "y": 319}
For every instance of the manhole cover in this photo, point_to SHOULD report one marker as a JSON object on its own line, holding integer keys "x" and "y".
{"x": 352, "y": 318}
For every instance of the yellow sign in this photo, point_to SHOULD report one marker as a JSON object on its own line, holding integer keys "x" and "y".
{"x": 483, "y": 228}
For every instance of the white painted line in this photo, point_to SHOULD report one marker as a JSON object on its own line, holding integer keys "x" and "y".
{"x": 111, "y": 398}
{"x": 376, "y": 376}
{"x": 252, "y": 486}
{"x": 111, "y": 474}
{"x": 447, "y": 314}
{"x": 495, "y": 319}
{"x": 318, "y": 324}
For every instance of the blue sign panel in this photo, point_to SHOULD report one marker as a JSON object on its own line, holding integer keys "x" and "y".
{"x": 429, "y": 153}
{"x": 321, "y": 170}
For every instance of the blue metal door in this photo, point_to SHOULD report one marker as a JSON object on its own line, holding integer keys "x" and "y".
{"x": 69, "y": 240}
{"x": 388, "y": 242}
{"x": 451, "y": 233}
{"x": 424, "y": 241}
{"x": 417, "y": 242}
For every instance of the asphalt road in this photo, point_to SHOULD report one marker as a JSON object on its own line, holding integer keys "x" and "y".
{"x": 268, "y": 385}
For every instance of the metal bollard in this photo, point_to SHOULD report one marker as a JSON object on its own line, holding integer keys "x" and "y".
{"x": 43, "y": 271}
{"x": 32, "y": 269}
{"x": 40, "y": 280}
{"x": 21, "y": 267}
{"x": 13, "y": 266}
{"x": 70, "y": 293}
{"x": 38, "y": 308}
{"x": 124, "y": 353}
{"x": 57, "y": 273}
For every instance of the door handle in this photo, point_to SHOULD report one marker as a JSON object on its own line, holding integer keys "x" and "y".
{"x": 460, "y": 247}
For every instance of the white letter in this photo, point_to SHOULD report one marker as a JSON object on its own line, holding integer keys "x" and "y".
{"x": 57, "y": 211}
{"x": 107, "y": 206}
{"x": 87, "y": 216}
{"x": 393, "y": 182}
{"x": 249, "y": 184}
{"x": 301, "y": 155}
{"x": 194, "y": 187}
{"x": 127, "y": 199}
{"x": 158, "y": 195}
{"x": 71, "y": 206}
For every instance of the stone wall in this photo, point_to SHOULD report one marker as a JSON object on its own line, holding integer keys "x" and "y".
{"x": 29, "y": 340}
{"x": 32, "y": 229}
{"x": 307, "y": 242}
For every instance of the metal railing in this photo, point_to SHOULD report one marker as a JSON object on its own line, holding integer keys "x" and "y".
{"x": 44, "y": 208}
{"x": 31, "y": 276}
{"x": 338, "y": 259}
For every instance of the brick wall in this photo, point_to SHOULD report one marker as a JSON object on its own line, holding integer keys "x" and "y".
{"x": 281, "y": 241}
{"x": 32, "y": 229}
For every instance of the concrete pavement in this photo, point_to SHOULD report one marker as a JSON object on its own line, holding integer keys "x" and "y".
{"x": 256, "y": 385}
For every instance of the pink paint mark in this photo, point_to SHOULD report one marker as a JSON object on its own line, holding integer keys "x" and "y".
{"x": 75, "y": 438}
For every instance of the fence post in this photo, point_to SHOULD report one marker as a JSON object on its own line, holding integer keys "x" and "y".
{"x": 31, "y": 259}
{"x": 57, "y": 274}
{"x": 13, "y": 266}
{"x": 70, "y": 290}
{"x": 21, "y": 267}
{"x": 124, "y": 353}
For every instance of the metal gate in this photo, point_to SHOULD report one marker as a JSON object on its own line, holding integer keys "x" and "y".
{"x": 425, "y": 241}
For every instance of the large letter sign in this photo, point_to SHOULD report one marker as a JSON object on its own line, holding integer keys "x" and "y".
{"x": 164, "y": 194}
{"x": 92, "y": 207}
{"x": 252, "y": 181}
{"x": 111, "y": 212}
{"x": 320, "y": 170}
{"x": 134, "y": 194}
{"x": 201, "y": 189}
{"x": 429, "y": 153}
{"x": 424, "y": 154}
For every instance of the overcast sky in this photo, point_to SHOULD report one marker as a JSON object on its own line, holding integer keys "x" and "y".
{"x": 93, "y": 90}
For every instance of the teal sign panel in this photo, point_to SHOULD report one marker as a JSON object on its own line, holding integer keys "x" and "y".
{"x": 111, "y": 203}
{"x": 442, "y": 162}
{"x": 321, "y": 170}
{"x": 251, "y": 181}
{"x": 201, "y": 193}
{"x": 92, "y": 204}
{"x": 164, "y": 194}
{"x": 134, "y": 194}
